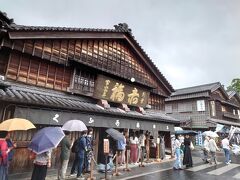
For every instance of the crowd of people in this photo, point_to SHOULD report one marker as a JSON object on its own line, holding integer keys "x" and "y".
{"x": 135, "y": 147}
{"x": 183, "y": 145}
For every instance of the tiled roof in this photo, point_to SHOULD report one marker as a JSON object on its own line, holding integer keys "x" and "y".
{"x": 196, "y": 89}
{"x": 230, "y": 103}
{"x": 30, "y": 95}
{"x": 232, "y": 93}
{"x": 187, "y": 96}
{"x": 120, "y": 28}
{"x": 220, "y": 121}
{"x": 16, "y": 27}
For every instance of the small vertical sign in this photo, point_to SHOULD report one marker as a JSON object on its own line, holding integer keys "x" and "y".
{"x": 106, "y": 146}
{"x": 199, "y": 138}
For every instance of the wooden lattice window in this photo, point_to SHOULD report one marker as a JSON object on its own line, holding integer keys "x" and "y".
{"x": 38, "y": 72}
{"x": 156, "y": 102}
{"x": 84, "y": 81}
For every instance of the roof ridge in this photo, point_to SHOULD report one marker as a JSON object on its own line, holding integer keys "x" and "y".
{"x": 199, "y": 86}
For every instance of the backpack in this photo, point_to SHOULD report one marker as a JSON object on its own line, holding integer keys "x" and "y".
{"x": 89, "y": 143}
{"x": 75, "y": 147}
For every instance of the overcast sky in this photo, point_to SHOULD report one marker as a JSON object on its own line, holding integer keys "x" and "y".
{"x": 192, "y": 42}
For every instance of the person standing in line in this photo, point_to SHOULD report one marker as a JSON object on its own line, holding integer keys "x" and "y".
{"x": 206, "y": 149}
{"x": 75, "y": 149}
{"x": 89, "y": 153}
{"x": 142, "y": 140}
{"x": 226, "y": 148}
{"x": 178, "y": 164}
{"x": 134, "y": 148}
{"x": 187, "y": 158}
{"x": 11, "y": 146}
{"x": 41, "y": 163}
{"x": 3, "y": 156}
{"x": 121, "y": 147}
{"x": 64, "y": 156}
{"x": 123, "y": 152}
{"x": 81, "y": 154}
{"x": 213, "y": 148}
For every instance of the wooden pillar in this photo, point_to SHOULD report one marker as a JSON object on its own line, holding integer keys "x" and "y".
{"x": 147, "y": 148}
{"x": 91, "y": 177}
{"x": 96, "y": 143}
{"x": 158, "y": 150}
{"x": 127, "y": 154}
{"x": 171, "y": 144}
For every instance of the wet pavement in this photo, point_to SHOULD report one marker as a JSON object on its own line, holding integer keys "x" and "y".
{"x": 199, "y": 171}
{"x": 163, "y": 170}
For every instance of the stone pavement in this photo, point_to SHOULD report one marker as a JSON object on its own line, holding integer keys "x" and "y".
{"x": 52, "y": 173}
{"x": 135, "y": 170}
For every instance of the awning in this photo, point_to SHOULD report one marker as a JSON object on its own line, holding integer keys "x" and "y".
{"x": 225, "y": 122}
{"x": 59, "y": 117}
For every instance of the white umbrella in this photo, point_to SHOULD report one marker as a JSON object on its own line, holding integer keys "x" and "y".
{"x": 178, "y": 129}
{"x": 74, "y": 125}
{"x": 210, "y": 134}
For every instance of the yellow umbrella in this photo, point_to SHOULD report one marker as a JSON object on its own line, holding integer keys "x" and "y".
{"x": 16, "y": 124}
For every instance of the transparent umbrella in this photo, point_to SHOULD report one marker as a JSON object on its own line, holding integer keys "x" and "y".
{"x": 74, "y": 125}
{"x": 210, "y": 134}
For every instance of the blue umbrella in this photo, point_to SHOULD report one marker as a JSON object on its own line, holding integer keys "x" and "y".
{"x": 115, "y": 134}
{"x": 46, "y": 139}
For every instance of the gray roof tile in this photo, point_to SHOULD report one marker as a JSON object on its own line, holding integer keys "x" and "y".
{"x": 39, "y": 96}
{"x": 196, "y": 89}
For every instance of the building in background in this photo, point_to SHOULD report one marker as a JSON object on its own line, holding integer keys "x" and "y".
{"x": 50, "y": 75}
{"x": 202, "y": 107}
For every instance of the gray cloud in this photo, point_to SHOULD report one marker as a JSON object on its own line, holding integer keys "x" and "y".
{"x": 192, "y": 42}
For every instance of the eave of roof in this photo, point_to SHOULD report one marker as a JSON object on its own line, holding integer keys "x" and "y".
{"x": 232, "y": 94}
{"x": 30, "y": 95}
{"x": 196, "y": 89}
{"x": 220, "y": 121}
{"x": 188, "y": 96}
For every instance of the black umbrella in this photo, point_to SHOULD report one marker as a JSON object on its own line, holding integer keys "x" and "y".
{"x": 115, "y": 134}
{"x": 186, "y": 132}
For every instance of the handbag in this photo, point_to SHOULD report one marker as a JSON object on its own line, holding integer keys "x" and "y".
{"x": 191, "y": 146}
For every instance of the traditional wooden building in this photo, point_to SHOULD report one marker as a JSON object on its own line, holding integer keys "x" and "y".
{"x": 202, "y": 107}
{"x": 101, "y": 76}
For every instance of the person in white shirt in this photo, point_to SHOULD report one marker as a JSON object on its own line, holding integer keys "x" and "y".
{"x": 178, "y": 164}
{"x": 206, "y": 149}
{"x": 213, "y": 148}
{"x": 226, "y": 148}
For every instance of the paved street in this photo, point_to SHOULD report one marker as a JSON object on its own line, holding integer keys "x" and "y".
{"x": 163, "y": 170}
{"x": 200, "y": 171}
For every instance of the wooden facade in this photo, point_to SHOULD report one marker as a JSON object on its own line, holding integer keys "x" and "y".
{"x": 196, "y": 109}
{"x": 54, "y": 71}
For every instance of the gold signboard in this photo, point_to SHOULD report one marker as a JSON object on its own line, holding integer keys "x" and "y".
{"x": 120, "y": 92}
